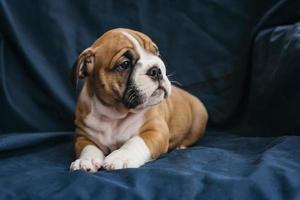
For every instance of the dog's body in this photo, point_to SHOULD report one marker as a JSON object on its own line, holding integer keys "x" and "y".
{"x": 126, "y": 113}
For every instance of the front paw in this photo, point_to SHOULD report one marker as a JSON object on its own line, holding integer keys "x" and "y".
{"x": 86, "y": 164}
{"x": 120, "y": 159}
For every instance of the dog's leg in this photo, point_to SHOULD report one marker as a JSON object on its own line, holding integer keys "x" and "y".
{"x": 199, "y": 122}
{"x": 149, "y": 144}
{"x": 90, "y": 157}
{"x": 132, "y": 154}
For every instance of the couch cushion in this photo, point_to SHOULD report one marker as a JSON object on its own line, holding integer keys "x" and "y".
{"x": 205, "y": 44}
{"x": 220, "y": 166}
{"x": 273, "y": 103}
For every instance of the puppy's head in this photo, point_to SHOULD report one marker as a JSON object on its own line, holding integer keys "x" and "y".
{"x": 124, "y": 70}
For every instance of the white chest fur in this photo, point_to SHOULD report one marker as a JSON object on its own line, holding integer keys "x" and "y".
{"x": 108, "y": 128}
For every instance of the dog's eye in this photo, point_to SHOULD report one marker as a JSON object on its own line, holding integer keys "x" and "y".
{"x": 124, "y": 66}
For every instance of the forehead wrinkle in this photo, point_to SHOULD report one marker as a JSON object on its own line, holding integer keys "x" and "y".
{"x": 135, "y": 43}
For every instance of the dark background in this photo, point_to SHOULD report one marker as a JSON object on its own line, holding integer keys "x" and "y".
{"x": 208, "y": 45}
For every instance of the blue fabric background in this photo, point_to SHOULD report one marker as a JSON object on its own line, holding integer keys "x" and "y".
{"x": 240, "y": 57}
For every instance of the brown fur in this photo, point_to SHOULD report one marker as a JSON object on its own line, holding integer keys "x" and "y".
{"x": 179, "y": 120}
{"x": 80, "y": 142}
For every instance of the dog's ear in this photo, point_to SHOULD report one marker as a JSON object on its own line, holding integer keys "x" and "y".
{"x": 83, "y": 66}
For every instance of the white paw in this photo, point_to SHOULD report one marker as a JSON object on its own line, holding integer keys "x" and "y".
{"x": 120, "y": 159}
{"x": 86, "y": 164}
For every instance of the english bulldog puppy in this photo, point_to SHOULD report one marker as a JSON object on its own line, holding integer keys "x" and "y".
{"x": 128, "y": 113}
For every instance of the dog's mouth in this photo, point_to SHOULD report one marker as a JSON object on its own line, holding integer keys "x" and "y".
{"x": 134, "y": 99}
{"x": 159, "y": 90}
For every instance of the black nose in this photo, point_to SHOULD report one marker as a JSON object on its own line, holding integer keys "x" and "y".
{"x": 155, "y": 73}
